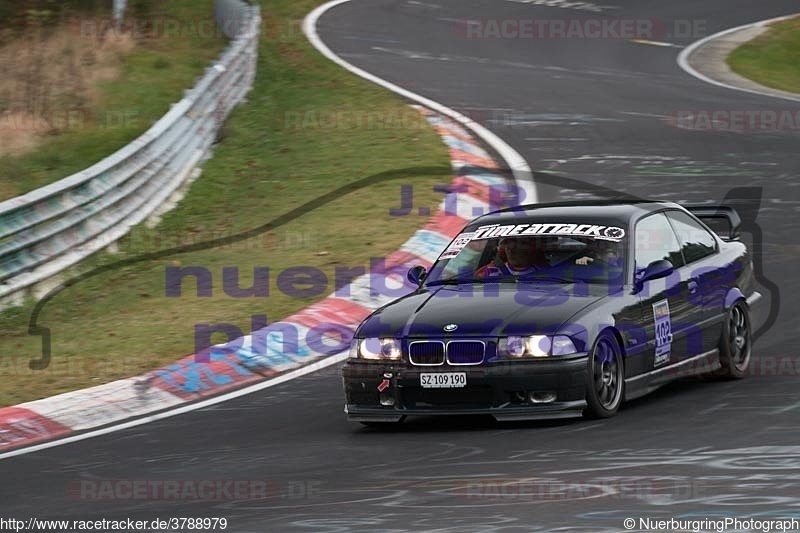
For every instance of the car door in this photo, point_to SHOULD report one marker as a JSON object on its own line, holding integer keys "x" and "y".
{"x": 665, "y": 309}
{"x": 708, "y": 280}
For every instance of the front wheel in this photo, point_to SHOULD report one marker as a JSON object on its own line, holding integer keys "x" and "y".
{"x": 735, "y": 345}
{"x": 605, "y": 381}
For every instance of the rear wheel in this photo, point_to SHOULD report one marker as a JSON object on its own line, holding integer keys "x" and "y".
{"x": 735, "y": 345}
{"x": 604, "y": 378}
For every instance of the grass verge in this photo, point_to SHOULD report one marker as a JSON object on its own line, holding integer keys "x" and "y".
{"x": 773, "y": 58}
{"x": 308, "y": 128}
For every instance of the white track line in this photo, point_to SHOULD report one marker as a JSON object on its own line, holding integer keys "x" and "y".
{"x": 313, "y": 367}
{"x": 517, "y": 164}
{"x": 519, "y": 167}
{"x": 683, "y": 58}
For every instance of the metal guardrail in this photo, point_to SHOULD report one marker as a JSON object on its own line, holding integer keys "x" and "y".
{"x": 52, "y": 228}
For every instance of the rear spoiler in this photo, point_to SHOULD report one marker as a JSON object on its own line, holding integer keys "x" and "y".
{"x": 723, "y": 219}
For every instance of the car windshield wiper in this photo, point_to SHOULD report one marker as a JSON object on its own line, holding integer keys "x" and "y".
{"x": 537, "y": 278}
{"x": 454, "y": 281}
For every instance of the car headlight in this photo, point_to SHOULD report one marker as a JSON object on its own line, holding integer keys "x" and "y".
{"x": 517, "y": 347}
{"x": 378, "y": 349}
{"x": 562, "y": 345}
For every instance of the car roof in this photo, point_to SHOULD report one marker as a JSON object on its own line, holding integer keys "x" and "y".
{"x": 619, "y": 209}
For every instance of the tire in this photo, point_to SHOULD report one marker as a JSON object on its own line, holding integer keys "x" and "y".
{"x": 605, "y": 378}
{"x": 736, "y": 343}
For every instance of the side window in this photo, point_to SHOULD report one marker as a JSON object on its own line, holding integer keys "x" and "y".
{"x": 656, "y": 240}
{"x": 697, "y": 242}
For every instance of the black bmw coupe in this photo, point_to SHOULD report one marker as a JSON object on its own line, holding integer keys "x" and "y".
{"x": 557, "y": 310}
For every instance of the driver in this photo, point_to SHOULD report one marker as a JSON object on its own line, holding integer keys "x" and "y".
{"x": 516, "y": 256}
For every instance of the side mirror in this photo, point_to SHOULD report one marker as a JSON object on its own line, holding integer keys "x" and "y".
{"x": 417, "y": 275}
{"x": 658, "y": 269}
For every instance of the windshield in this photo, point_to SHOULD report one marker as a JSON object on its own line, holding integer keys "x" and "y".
{"x": 533, "y": 251}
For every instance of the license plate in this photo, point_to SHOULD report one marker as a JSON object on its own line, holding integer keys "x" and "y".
{"x": 443, "y": 380}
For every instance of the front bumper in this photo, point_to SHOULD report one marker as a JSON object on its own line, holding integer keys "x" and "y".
{"x": 383, "y": 392}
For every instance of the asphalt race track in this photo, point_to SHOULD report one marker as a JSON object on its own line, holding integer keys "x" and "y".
{"x": 585, "y": 114}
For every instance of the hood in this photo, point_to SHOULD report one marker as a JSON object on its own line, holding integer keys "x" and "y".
{"x": 482, "y": 310}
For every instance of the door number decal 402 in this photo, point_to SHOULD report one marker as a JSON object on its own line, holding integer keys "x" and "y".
{"x": 663, "y": 332}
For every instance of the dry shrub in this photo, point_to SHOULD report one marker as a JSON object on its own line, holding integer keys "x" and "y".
{"x": 52, "y": 74}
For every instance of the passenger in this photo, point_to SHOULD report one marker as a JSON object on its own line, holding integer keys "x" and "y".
{"x": 600, "y": 251}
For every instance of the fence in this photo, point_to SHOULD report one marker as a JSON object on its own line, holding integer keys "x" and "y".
{"x": 52, "y": 228}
